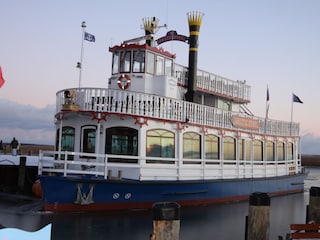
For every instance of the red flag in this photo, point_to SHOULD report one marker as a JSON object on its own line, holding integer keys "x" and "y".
{"x": 1, "y": 78}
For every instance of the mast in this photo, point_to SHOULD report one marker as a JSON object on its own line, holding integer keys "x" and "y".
{"x": 150, "y": 26}
{"x": 194, "y": 19}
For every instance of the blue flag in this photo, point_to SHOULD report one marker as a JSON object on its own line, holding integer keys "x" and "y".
{"x": 89, "y": 37}
{"x": 295, "y": 98}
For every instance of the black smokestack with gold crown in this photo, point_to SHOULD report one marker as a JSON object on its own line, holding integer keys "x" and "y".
{"x": 150, "y": 26}
{"x": 194, "y": 19}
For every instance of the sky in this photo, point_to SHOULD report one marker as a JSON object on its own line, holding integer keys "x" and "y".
{"x": 271, "y": 44}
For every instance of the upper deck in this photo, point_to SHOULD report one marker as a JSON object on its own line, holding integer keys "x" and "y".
{"x": 111, "y": 101}
{"x": 151, "y": 68}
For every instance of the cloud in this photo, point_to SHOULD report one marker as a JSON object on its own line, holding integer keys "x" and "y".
{"x": 27, "y": 123}
{"x": 310, "y": 144}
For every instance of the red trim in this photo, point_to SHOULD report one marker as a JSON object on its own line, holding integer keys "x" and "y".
{"x": 70, "y": 207}
{"x": 142, "y": 46}
{"x": 181, "y": 122}
{"x": 95, "y": 116}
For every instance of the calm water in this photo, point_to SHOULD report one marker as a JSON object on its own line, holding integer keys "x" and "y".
{"x": 223, "y": 222}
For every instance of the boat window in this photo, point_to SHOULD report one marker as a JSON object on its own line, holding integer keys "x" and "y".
{"x": 212, "y": 146}
{"x": 168, "y": 67}
{"x": 138, "y": 61}
{"x": 270, "y": 151}
{"x": 229, "y": 148}
{"x": 121, "y": 141}
{"x": 280, "y": 149}
{"x": 191, "y": 145}
{"x": 257, "y": 150}
{"x": 248, "y": 150}
{"x": 150, "y": 63}
{"x": 160, "y": 65}
{"x": 160, "y": 143}
{"x": 115, "y": 63}
{"x": 67, "y": 141}
{"x": 88, "y": 143}
{"x": 290, "y": 151}
{"x": 241, "y": 143}
{"x": 125, "y": 60}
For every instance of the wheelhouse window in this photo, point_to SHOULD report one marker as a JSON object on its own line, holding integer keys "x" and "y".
{"x": 212, "y": 146}
{"x": 168, "y": 67}
{"x": 88, "y": 141}
{"x": 150, "y": 62}
{"x": 122, "y": 141}
{"x": 160, "y": 143}
{"x": 270, "y": 151}
{"x": 191, "y": 145}
{"x": 160, "y": 65}
{"x": 115, "y": 63}
{"x": 125, "y": 61}
{"x": 67, "y": 140}
{"x": 257, "y": 150}
{"x": 280, "y": 149}
{"x": 229, "y": 148}
{"x": 138, "y": 61}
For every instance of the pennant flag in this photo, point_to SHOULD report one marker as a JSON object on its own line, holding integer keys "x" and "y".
{"x": 268, "y": 99}
{"x": 1, "y": 78}
{"x": 295, "y": 98}
{"x": 89, "y": 37}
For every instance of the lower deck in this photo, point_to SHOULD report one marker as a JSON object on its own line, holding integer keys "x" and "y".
{"x": 148, "y": 149}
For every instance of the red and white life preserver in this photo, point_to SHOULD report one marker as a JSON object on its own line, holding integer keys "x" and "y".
{"x": 124, "y": 81}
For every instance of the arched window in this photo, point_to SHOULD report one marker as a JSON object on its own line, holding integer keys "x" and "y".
{"x": 290, "y": 151}
{"x": 280, "y": 149}
{"x": 270, "y": 151}
{"x": 212, "y": 146}
{"x": 122, "y": 141}
{"x": 241, "y": 143}
{"x": 229, "y": 148}
{"x": 88, "y": 139}
{"x": 257, "y": 150}
{"x": 67, "y": 140}
{"x": 160, "y": 143}
{"x": 248, "y": 150}
{"x": 191, "y": 145}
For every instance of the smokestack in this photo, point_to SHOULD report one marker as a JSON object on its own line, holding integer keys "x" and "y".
{"x": 150, "y": 26}
{"x": 194, "y": 19}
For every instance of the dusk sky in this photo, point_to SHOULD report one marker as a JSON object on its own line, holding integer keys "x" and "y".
{"x": 274, "y": 43}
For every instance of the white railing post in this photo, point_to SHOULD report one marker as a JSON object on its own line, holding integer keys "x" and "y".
{"x": 65, "y": 164}
{"x": 40, "y": 163}
{"x": 106, "y": 166}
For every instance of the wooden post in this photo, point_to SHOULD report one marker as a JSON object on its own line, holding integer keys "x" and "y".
{"x": 22, "y": 173}
{"x": 166, "y": 221}
{"x": 314, "y": 205}
{"x": 259, "y": 217}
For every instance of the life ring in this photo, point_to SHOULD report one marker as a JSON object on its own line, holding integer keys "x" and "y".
{"x": 124, "y": 81}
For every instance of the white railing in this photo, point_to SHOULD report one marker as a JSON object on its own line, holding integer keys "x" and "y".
{"x": 152, "y": 168}
{"x": 154, "y": 106}
{"x": 215, "y": 84}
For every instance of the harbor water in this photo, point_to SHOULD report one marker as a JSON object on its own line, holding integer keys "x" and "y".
{"x": 224, "y": 221}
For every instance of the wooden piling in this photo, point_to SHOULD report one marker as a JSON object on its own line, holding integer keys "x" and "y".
{"x": 166, "y": 221}
{"x": 22, "y": 173}
{"x": 259, "y": 217}
{"x": 314, "y": 205}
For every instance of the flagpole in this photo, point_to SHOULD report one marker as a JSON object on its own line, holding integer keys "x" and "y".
{"x": 291, "y": 114}
{"x": 79, "y": 65}
{"x": 267, "y": 110}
